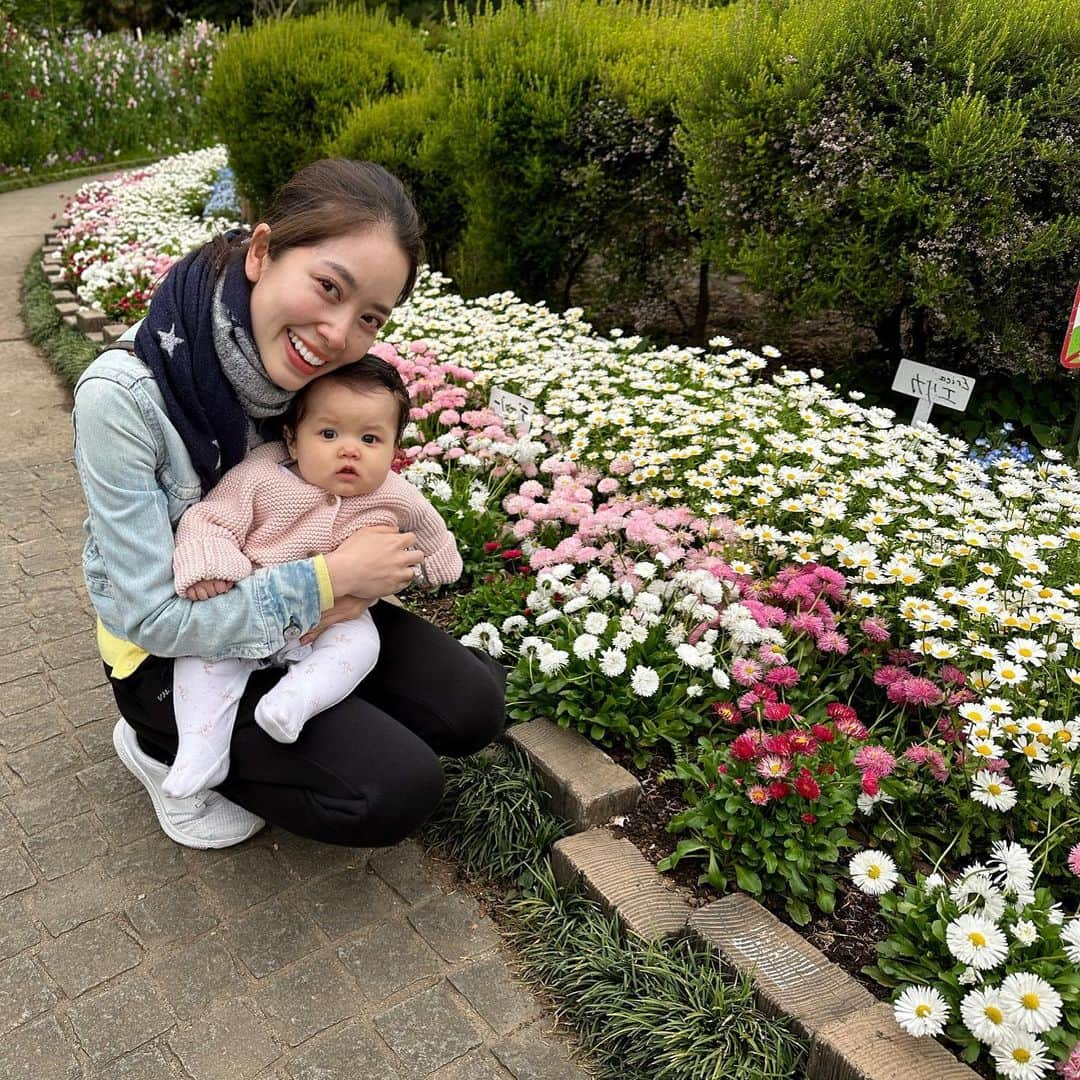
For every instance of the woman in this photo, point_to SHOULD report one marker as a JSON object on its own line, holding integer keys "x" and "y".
{"x": 232, "y": 333}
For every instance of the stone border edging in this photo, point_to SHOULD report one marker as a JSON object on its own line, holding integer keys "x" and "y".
{"x": 852, "y": 1036}
{"x": 89, "y": 321}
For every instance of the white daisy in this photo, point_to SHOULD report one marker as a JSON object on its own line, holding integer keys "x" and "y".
{"x": 612, "y": 662}
{"x": 1070, "y": 938}
{"x": 585, "y": 646}
{"x": 983, "y": 1013}
{"x": 921, "y": 1010}
{"x": 993, "y": 790}
{"x": 644, "y": 681}
{"x": 553, "y": 661}
{"x": 595, "y": 622}
{"x": 1015, "y": 865}
{"x": 1020, "y": 1056}
{"x": 975, "y": 940}
{"x": 1031, "y": 1003}
{"x": 1025, "y": 932}
{"x": 873, "y": 872}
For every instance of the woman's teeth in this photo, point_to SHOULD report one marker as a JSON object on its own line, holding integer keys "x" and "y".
{"x": 305, "y": 353}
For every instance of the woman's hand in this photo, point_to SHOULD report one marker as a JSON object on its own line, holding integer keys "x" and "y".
{"x": 345, "y": 607}
{"x": 203, "y": 590}
{"x": 376, "y": 561}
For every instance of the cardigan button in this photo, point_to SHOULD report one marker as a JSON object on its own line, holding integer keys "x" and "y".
{"x": 331, "y": 498}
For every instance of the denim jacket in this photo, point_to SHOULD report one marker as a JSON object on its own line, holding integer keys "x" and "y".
{"x": 138, "y": 480}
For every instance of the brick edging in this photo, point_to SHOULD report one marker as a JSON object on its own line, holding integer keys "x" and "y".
{"x": 94, "y": 324}
{"x": 852, "y": 1036}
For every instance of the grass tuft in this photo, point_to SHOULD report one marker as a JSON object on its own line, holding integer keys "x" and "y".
{"x": 67, "y": 350}
{"x": 645, "y": 1010}
{"x": 494, "y": 818}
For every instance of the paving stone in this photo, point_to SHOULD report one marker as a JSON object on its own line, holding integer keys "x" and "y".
{"x": 97, "y": 704}
{"x": 5, "y": 787}
{"x": 623, "y": 881}
{"x": 70, "y": 602}
{"x": 14, "y": 614}
{"x": 71, "y": 901}
{"x": 868, "y": 1044}
{"x": 307, "y": 998}
{"x": 366, "y": 960}
{"x": 55, "y": 626}
{"x": 586, "y": 787}
{"x": 23, "y": 694}
{"x": 40, "y": 807}
{"x": 478, "y": 1065}
{"x": 120, "y": 1018}
{"x": 33, "y": 726}
{"x": 228, "y": 1043}
{"x": 24, "y": 662}
{"x": 73, "y": 648}
{"x": 273, "y": 936}
{"x": 310, "y": 859}
{"x": 108, "y": 780}
{"x": 240, "y": 880}
{"x": 44, "y": 587}
{"x": 146, "y": 864}
{"x": 402, "y": 868}
{"x": 493, "y": 992}
{"x": 10, "y": 832}
{"x": 88, "y": 955}
{"x": 348, "y": 901}
{"x": 128, "y": 819}
{"x": 176, "y": 912}
{"x": 790, "y": 977}
{"x": 25, "y": 992}
{"x": 44, "y": 760}
{"x": 95, "y": 739}
{"x": 147, "y": 1063}
{"x": 67, "y": 846}
{"x": 529, "y": 1056}
{"x": 351, "y": 1053}
{"x": 17, "y": 929}
{"x": 427, "y": 1031}
{"x": 454, "y": 927}
{"x": 76, "y": 678}
{"x": 191, "y": 978}
{"x": 44, "y": 562}
{"x": 15, "y": 874}
{"x": 38, "y": 1051}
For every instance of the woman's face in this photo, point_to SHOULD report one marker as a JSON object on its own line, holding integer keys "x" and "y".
{"x": 316, "y": 308}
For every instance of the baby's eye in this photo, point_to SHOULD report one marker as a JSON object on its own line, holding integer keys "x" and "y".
{"x": 370, "y": 440}
{"x": 327, "y": 434}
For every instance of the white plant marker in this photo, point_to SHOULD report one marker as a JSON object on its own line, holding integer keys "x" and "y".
{"x": 932, "y": 386}
{"x": 513, "y": 409}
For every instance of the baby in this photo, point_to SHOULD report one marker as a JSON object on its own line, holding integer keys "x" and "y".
{"x": 293, "y": 500}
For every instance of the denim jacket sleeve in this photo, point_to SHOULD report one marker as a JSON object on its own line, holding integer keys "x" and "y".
{"x": 128, "y": 472}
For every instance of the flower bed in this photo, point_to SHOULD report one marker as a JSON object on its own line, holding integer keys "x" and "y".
{"x": 842, "y": 631}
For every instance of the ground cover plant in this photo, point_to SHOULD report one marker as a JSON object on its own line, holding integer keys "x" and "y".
{"x": 78, "y": 97}
{"x": 836, "y": 629}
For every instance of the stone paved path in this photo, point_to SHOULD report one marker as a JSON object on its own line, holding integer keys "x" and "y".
{"x": 126, "y": 957}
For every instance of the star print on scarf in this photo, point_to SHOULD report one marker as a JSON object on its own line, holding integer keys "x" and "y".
{"x": 176, "y": 341}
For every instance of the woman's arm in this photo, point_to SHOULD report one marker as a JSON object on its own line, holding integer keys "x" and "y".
{"x": 118, "y": 464}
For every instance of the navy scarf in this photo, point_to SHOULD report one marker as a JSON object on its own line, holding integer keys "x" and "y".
{"x": 176, "y": 341}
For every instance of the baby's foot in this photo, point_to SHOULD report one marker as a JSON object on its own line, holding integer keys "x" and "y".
{"x": 199, "y": 764}
{"x": 283, "y": 712}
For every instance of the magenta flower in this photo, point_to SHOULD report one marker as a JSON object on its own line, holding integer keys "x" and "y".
{"x": 773, "y": 766}
{"x": 785, "y": 675}
{"x": 745, "y": 672}
{"x": 875, "y": 630}
{"x": 876, "y": 759}
{"x": 1074, "y": 860}
{"x": 831, "y": 641}
{"x": 915, "y": 691}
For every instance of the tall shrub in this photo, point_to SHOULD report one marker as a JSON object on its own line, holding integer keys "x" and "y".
{"x": 281, "y": 89}
{"x": 916, "y": 165}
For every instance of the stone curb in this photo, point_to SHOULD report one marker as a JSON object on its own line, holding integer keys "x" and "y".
{"x": 586, "y": 787}
{"x": 852, "y": 1036}
{"x": 93, "y": 324}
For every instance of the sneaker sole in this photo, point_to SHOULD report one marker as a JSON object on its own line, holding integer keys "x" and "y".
{"x": 134, "y": 766}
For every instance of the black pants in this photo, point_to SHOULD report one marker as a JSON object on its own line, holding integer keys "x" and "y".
{"x": 366, "y": 772}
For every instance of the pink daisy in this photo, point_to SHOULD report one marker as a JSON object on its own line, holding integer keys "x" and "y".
{"x": 1074, "y": 860}
{"x": 876, "y": 759}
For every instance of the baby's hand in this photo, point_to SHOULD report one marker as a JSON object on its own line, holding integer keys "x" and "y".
{"x": 203, "y": 590}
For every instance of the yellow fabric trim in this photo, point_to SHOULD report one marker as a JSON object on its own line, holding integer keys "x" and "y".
{"x": 326, "y": 589}
{"x": 122, "y": 656}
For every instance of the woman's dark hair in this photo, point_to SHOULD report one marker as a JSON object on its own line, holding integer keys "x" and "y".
{"x": 331, "y": 197}
{"x": 367, "y": 373}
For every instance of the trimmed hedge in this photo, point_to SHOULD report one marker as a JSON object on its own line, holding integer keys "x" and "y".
{"x": 915, "y": 165}
{"x": 280, "y": 90}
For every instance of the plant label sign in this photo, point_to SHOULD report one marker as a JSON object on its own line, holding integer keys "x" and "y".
{"x": 932, "y": 386}
{"x": 515, "y": 410}
{"x": 1070, "y": 351}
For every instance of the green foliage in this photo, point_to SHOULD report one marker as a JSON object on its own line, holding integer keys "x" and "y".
{"x": 69, "y": 100}
{"x": 646, "y": 1011}
{"x": 281, "y": 89}
{"x": 914, "y": 165}
{"x": 68, "y": 350}
{"x": 494, "y": 597}
{"x": 494, "y": 817}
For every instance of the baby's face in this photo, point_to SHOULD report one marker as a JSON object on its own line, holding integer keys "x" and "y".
{"x": 344, "y": 443}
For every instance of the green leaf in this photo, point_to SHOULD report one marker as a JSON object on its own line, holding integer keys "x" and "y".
{"x": 798, "y": 911}
{"x": 748, "y": 880}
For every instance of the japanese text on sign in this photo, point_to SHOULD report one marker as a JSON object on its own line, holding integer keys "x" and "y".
{"x": 516, "y": 411}
{"x": 935, "y": 386}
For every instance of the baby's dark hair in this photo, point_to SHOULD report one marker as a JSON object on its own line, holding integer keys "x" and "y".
{"x": 367, "y": 373}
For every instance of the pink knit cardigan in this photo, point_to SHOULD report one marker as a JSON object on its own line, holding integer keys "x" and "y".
{"x": 260, "y": 514}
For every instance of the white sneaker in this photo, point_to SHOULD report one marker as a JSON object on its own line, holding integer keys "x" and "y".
{"x": 205, "y": 820}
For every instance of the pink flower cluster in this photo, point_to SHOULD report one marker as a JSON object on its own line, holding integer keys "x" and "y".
{"x": 913, "y": 691}
{"x": 800, "y": 599}
{"x": 1070, "y": 1069}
